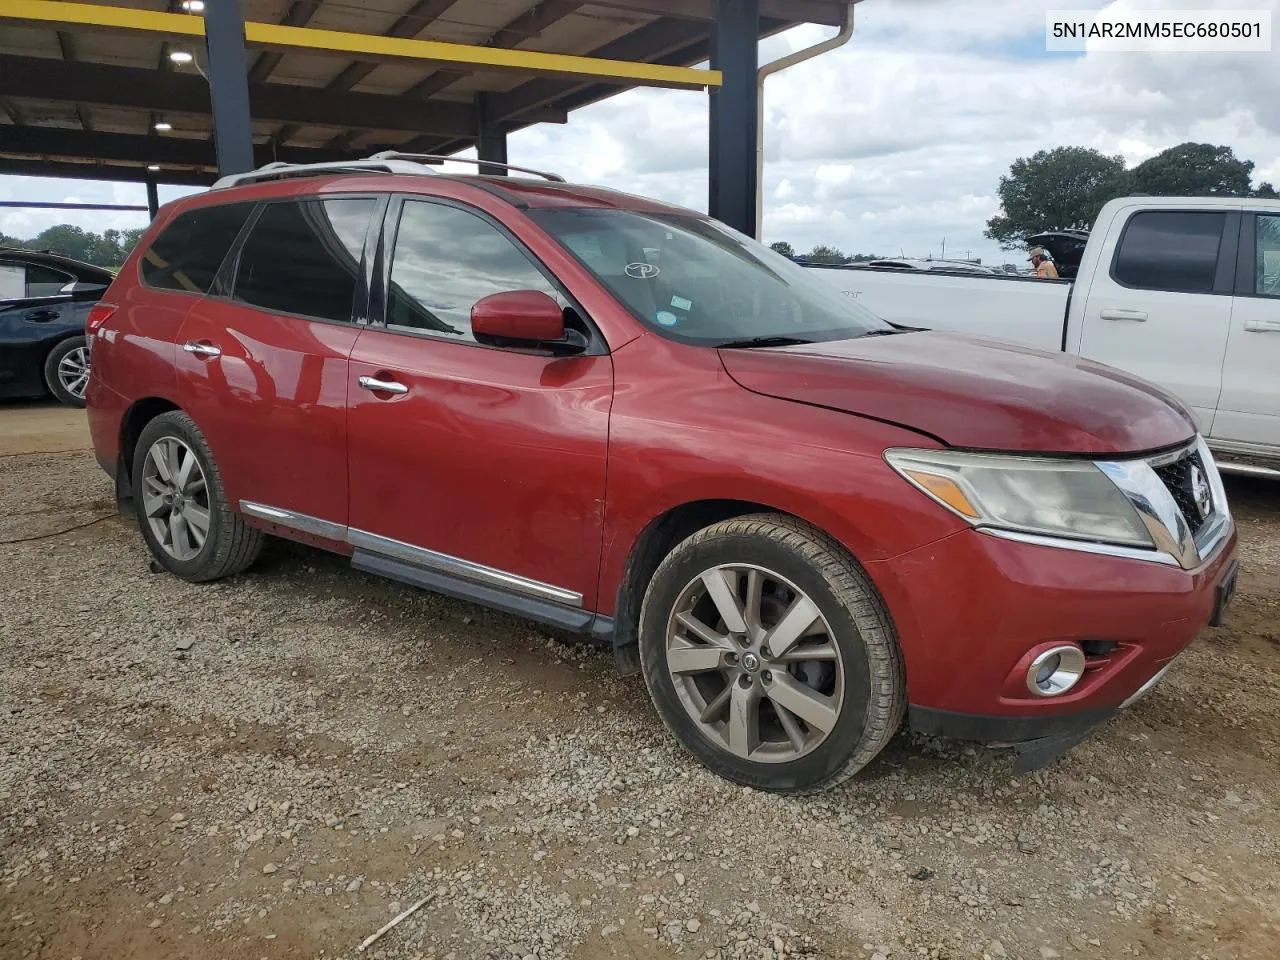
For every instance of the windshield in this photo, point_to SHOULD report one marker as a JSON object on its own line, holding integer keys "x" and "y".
{"x": 697, "y": 281}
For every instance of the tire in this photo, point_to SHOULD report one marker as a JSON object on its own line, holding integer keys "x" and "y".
{"x": 228, "y": 545}
{"x": 859, "y": 694}
{"x": 66, "y": 371}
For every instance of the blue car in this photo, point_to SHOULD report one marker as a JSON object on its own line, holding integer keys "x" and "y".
{"x": 44, "y": 300}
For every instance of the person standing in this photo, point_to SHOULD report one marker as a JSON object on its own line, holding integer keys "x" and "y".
{"x": 1043, "y": 266}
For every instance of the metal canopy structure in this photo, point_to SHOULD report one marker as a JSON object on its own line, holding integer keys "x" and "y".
{"x": 93, "y": 90}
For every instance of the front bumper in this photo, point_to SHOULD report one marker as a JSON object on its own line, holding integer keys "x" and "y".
{"x": 972, "y": 609}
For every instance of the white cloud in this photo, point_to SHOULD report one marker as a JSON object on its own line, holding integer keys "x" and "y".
{"x": 900, "y": 138}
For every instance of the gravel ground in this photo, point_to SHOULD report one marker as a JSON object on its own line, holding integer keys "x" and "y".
{"x": 277, "y": 765}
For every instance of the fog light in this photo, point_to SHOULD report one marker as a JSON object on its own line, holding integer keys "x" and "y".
{"x": 1055, "y": 671}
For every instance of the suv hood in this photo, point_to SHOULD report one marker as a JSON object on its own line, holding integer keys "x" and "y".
{"x": 980, "y": 394}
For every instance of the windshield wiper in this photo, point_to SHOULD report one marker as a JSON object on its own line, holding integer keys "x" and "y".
{"x": 750, "y": 342}
{"x": 884, "y": 333}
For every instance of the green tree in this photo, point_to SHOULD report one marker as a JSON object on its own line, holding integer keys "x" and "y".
{"x": 1059, "y": 189}
{"x": 1194, "y": 170}
{"x": 784, "y": 248}
{"x": 1267, "y": 192}
{"x": 825, "y": 254}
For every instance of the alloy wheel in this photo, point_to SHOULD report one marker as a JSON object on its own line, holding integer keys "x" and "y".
{"x": 73, "y": 372}
{"x": 175, "y": 497}
{"x": 754, "y": 663}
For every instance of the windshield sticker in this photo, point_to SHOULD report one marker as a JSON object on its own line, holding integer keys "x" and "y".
{"x": 667, "y": 319}
{"x": 643, "y": 271}
{"x": 680, "y": 303}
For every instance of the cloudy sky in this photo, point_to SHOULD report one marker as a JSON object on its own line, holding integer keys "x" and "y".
{"x": 894, "y": 142}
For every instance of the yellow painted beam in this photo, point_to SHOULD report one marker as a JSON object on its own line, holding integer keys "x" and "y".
{"x": 359, "y": 46}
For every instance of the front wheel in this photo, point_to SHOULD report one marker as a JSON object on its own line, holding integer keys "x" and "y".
{"x": 770, "y": 656}
{"x": 66, "y": 371}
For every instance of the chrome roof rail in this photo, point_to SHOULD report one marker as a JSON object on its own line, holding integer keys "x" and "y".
{"x": 282, "y": 171}
{"x": 433, "y": 158}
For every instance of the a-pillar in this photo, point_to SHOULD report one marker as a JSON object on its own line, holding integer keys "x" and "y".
{"x": 229, "y": 86}
{"x": 734, "y": 120}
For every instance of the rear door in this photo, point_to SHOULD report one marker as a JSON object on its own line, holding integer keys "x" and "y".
{"x": 34, "y": 316}
{"x": 1249, "y": 409}
{"x": 262, "y": 362}
{"x": 1160, "y": 302}
{"x": 485, "y": 463}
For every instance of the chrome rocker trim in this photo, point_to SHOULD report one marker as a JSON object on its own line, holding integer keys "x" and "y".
{"x": 415, "y": 556}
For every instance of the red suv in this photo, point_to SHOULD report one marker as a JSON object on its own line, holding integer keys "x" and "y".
{"x": 624, "y": 419}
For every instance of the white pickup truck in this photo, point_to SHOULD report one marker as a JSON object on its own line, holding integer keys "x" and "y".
{"x": 1184, "y": 292}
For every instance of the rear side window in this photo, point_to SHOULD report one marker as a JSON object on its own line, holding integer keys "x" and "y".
{"x": 1173, "y": 250}
{"x": 188, "y": 252}
{"x": 304, "y": 257}
{"x": 44, "y": 281}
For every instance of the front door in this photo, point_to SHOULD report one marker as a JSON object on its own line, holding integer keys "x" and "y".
{"x": 470, "y": 460}
{"x": 1249, "y": 411}
{"x": 1160, "y": 303}
{"x": 263, "y": 370}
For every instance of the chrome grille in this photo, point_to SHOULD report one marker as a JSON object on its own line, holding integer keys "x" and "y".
{"x": 1179, "y": 477}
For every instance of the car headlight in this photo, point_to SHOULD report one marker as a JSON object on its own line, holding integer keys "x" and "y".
{"x": 1037, "y": 495}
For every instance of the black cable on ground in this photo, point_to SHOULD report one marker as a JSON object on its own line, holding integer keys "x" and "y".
{"x": 57, "y": 533}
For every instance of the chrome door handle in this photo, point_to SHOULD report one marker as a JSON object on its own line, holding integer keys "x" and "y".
{"x": 1138, "y": 316}
{"x": 1262, "y": 326}
{"x": 202, "y": 349}
{"x": 383, "y": 386}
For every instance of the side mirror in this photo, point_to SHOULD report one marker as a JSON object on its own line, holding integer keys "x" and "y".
{"x": 524, "y": 317}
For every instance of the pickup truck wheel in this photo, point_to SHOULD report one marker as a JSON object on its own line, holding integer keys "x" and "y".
{"x": 66, "y": 371}
{"x": 770, "y": 656}
{"x": 181, "y": 508}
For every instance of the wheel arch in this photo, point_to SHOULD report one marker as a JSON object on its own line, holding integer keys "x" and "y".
{"x": 657, "y": 539}
{"x": 135, "y": 419}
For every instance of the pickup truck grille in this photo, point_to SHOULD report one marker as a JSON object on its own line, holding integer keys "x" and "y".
{"x": 1188, "y": 481}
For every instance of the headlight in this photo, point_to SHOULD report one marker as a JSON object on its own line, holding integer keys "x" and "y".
{"x": 1051, "y": 497}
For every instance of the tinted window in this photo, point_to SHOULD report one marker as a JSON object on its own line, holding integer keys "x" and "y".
{"x": 1170, "y": 250}
{"x": 45, "y": 282}
{"x": 304, "y": 257}
{"x": 1268, "y": 256}
{"x": 445, "y": 260}
{"x": 188, "y": 252}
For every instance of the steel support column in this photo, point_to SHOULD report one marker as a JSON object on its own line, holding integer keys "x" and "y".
{"x": 153, "y": 197}
{"x": 228, "y": 80}
{"x": 734, "y": 51}
{"x": 491, "y": 144}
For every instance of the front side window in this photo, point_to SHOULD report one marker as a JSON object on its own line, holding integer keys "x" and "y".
{"x": 447, "y": 259}
{"x": 189, "y": 251}
{"x": 697, "y": 281}
{"x": 1171, "y": 250}
{"x": 304, "y": 256}
{"x": 1267, "y": 261}
{"x": 44, "y": 281}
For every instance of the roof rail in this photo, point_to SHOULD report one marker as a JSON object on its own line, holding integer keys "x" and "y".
{"x": 433, "y": 158}
{"x": 282, "y": 171}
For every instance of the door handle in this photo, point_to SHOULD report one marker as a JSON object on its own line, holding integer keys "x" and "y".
{"x": 41, "y": 316}
{"x": 1138, "y": 316}
{"x": 1262, "y": 326}
{"x": 383, "y": 386}
{"x": 201, "y": 348}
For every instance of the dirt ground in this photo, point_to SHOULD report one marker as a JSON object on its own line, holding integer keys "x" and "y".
{"x": 276, "y": 766}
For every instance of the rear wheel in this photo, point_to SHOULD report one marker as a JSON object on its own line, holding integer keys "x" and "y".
{"x": 181, "y": 508}
{"x": 66, "y": 371}
{"x": 771, "y": 657}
